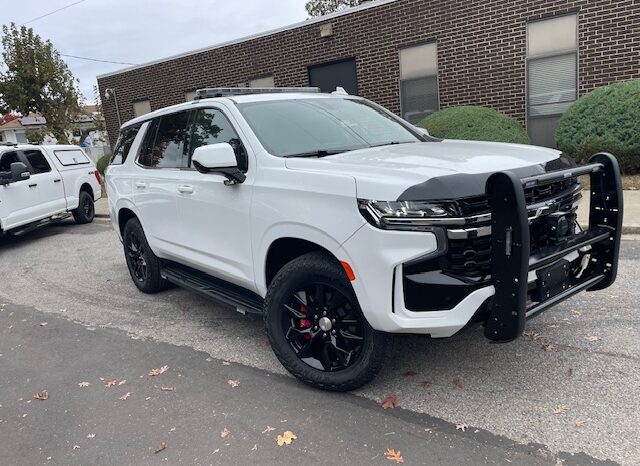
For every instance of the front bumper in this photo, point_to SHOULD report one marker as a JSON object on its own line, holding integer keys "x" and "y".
{"x": 383, "y": 259}
{"x": 511, "y": 261}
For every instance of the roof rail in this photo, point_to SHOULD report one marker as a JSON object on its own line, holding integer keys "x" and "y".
{"x": 231, "y": 91}
{"x": 8, "y": 143}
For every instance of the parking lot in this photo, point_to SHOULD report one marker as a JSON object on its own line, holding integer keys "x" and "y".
{"x": 571, "y": 385}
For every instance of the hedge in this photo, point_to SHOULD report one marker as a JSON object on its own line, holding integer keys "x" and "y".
{"x": 103, "y": 162}
{"x": 474, "y": 123}
{"x": 604, "y": 120}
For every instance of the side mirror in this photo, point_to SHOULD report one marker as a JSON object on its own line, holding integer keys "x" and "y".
{"x": 19, "y": 172}
{"x": 422, "y": 131}
{"x": 218, "y": 158}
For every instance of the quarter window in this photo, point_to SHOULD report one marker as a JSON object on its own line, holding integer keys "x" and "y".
{"x": 127, "y": 136}
{"x": 212, "y": 127}
{"x": 37, "y": 161}
{"x": 167, "y": 148}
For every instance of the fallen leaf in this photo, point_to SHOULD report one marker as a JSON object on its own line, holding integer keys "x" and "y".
{"x": 425, "y": 384}
{"x": 458, "y": 383}
{"x": 393, "y": 455}
{"x": 161, "y": 447}
{"x": 158, "y": 371}
{"x": 286, "y": 438}
{"x": 234, "y": 383}
{"x": 389, "y": 402}
{"x": 462, "y": 426}
{"x": 268, "y": 429}
{"x": 576, "y": 313}
{"x": 215, "y": 451}
{"x": 43, "y": 395}
{"x": 43, "y": 324}
{"x": 125, "y": 396}
{"x": 168, "y": 389}
{"x": 122, "y": 382}
{"x": 91, "y": 436}
{"x": 255, "y": 447}
{"x": 226, "y": 363}
{"x": 224, "y": 433}
{"x": 549, "y": 347}
{"x": 75, "y": 447}
{"x": 593, "y": 338}
{"x": 428, "y": 429}
{"x": 83, "y": 384}
{"x": 560, "y": 409}
{"x": 580, "y": 423}
{"x": 409, "y": 373}
{"x": 110, "y": 382}
{"x": 173, "y": 429}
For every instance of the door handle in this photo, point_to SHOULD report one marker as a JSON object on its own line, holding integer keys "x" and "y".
{"x": 57, "y": 180}
{"x": 141, "y": 185}
{"x": 185, "y": 189}
{"x": 33, "y": 185}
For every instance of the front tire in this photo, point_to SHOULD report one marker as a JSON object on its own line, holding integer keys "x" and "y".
{"x": 316, "y": 327}
{"x": 144, "y": 266}
{"x": 86, "y": 210}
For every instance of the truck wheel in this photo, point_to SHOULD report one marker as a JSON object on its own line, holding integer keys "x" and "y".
{"x": 143, "y": 264}
{"x": 316, "y": 327}
{"x": 86, "y": 210}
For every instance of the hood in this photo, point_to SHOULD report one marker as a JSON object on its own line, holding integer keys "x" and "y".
{"x": 447, "y": 169}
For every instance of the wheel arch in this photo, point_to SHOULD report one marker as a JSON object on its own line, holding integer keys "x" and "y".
{"x": 124, "y": 215}
{"x": 87, "y": 188}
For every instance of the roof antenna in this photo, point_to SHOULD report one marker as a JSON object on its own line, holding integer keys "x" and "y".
{"x": 340, "y": 91}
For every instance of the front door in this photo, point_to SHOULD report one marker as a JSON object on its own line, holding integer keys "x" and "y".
{"x": 15, "y": 198}
{"x": 47, "y": 186}
{"x": 214, "y": 218}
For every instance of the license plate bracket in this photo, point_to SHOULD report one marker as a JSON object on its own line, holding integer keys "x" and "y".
{"x": 552, "y": 280}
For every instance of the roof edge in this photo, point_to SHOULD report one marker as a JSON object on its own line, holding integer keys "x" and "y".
{"x": 307, "y": 22}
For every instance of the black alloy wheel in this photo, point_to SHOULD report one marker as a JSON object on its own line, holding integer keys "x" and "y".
{"x": 323, "y": 327}
{"x": 136, "y": 260}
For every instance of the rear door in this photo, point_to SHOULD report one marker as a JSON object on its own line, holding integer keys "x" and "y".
{"x": 162, "y": 156}
{"x": 46, "y": 182}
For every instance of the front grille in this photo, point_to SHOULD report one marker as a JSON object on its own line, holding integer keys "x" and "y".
{"x": 471, "y": 257}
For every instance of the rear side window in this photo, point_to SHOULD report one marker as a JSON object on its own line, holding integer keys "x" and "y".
{"x": 123, "y": 145}
{"x": 37, "y": 161}
{"x": 71, "y": 157}
{"x": 168, "y": 149}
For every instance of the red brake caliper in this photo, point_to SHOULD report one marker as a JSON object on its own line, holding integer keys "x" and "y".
{"x": 304, "y": 324}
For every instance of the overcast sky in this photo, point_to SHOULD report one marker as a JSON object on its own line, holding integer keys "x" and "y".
{"x": 138, "y": 31}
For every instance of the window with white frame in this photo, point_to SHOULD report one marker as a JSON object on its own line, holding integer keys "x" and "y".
{"x": 265, "y": 81}
{"x": 142, "y": 107}
{"x": 419, "y": 82}
{"x": 552, "y": 74}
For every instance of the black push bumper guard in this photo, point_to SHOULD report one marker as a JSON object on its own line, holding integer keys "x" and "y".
{"x": 511, "y": 258}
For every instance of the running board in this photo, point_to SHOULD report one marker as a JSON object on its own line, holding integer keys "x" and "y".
{"x": 243, "y": 300}
{"x": 28, "y": 228}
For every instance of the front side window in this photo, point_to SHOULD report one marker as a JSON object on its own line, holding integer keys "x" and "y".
{"x": 212, "y": 127}
{"x": 37, "y": 161}
{"x": 6, "y": 160}
{"x": 166, "y": 142}
{"x": 302, "y": 127}
{"x": 120, "y": 153}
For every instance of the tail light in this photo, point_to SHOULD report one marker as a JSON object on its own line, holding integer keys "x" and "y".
{"x": 98, "y": 177}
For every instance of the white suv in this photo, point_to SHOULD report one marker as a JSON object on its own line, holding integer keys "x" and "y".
{"x": 342, "y": 223}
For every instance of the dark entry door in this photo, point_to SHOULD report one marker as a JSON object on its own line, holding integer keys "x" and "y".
{"x": 328, "y": 76}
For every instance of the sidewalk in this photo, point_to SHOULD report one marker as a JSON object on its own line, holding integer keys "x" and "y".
{"x": 630, "y": 226}
{"x": 631, "y": 215}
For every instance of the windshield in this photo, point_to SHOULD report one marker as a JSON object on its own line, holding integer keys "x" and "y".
{"x": 306, "y": 127}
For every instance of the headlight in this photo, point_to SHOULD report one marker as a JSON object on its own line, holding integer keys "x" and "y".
{"x": 407, "y": 215}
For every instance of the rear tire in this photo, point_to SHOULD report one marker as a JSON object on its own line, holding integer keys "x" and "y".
{"x": 86, "y": 210}
{"x": 316, "y": 327}
{"x": 144, "y": 267}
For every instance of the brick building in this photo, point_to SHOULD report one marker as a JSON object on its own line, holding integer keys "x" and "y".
{"x": 527, "y": 58}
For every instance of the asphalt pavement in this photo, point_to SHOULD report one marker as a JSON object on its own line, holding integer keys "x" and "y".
{"x": 580, "y": 360}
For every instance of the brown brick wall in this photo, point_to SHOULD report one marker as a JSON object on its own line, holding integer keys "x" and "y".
{"x": 481, "y": 53}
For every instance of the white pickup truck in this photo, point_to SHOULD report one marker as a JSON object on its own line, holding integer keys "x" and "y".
{"x": 41, "y": 184}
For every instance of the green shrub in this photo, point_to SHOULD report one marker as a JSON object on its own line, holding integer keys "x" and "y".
{"x": 103, "y": 162}
{"x": 605, "y": 120}
{"x": 474, "y": 123}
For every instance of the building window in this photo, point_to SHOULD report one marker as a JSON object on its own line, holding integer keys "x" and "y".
{"x": 265, "y": 81}
{"x": 189, "y": 96}
{"x": 552, "y": 75}
{"x": 142, "y": 107}
{"x": 419, "y": 82}
{"x": 21, "y": 137}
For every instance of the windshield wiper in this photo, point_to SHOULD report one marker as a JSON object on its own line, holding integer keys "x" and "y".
{"x": 317, "y": 153}
{"x": 392, "y": 143}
